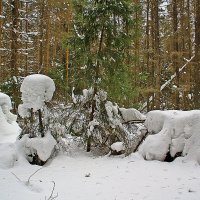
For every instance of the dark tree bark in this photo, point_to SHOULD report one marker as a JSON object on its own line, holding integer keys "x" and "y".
{"x": 156, "y": 68}
{"x": 175, "y": 56}
{"x": 14, "y": 37}
{"x": 1, "y": 12}
{"x": 147, "y": 49}
{"x": 197, "y": 56}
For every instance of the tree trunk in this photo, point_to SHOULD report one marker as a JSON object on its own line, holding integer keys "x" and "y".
{"x": 41, "y": 38}
{"x": 97, "y": 76}
{"x": 14, "y": 36}
{"x": 156, "y": 46}
{"x": 41, "y": 128}
{"x": 175, "y": 55}
{"x": 1, "y": 32}
{"x": 197, "y": 56}
{"x": 1, "y": 21}
{"x": 47, "y": 40}
{"x": 147, "y": 51}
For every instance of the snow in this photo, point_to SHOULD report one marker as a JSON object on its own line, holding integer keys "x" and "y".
{"x": 85, "y": 177}
{"x": 117, "y": 146}
{"x": 9, "y": 129}
{"x": 36, "y": 90}
{"x": 131, "y": 114}
{"x": 8, "y": 155}
{"x": 42, "y": 146}
{"x": 155, "y": 147}
{"x": 174, "y": 131}
{"x": 5, "y": 100}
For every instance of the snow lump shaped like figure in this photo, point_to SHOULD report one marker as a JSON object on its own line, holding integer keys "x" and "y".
{"x": 36, "y": 90}
{"x": 9, "y": 129}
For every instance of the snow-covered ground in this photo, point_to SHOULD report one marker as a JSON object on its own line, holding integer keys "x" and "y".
{"x": 82, "y": 176}
{"x": 77, "y": 175}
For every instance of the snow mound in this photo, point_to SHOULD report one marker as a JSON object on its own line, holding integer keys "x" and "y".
{"x": 9, "y": 129}
{"x": 155, "y": 147}
{"x": 131, "y": 114}
{"x": 43, "y": 147}
{"x": 5, "y": 100}
{"x": 36, "y": 90}
{"x": 6, "y": 106}
{"x": 174, "y": 132}
{"x": 8, "y": 155}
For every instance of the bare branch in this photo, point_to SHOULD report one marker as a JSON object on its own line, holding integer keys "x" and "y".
{"x": 16, "y": 177}
{"x": 27, "y": 182}
{"x": 51, "y": 197}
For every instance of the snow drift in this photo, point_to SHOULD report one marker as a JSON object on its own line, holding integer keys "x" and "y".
{"x": 174, "y": 132}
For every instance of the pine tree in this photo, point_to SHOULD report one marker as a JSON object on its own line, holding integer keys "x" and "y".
{"x": 101, "y": 47}
{"x": 102, "y": 44}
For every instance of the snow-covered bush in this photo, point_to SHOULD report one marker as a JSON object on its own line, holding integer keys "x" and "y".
{"x": 100, "y": 121}
{"x": 36, "y": 90}
{"x": 174, "y": 132}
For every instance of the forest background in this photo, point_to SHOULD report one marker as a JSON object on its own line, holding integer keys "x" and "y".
{"x": 145, "y": 54}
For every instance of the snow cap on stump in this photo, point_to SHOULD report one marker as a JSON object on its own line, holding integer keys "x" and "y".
{"x": 36, "y": 90}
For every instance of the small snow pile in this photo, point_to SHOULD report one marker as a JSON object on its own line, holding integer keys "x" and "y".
{"x": 36, "y": 90}
{"x": 174, "y": 132}
{"x": 118, "y": 146}
{"x": 131, "y": 114}
{"x": 9, "y": 129}
{"x": 42, "y": 146}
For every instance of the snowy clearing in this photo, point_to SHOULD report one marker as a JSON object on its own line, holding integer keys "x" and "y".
{"x": 80, "y": 175}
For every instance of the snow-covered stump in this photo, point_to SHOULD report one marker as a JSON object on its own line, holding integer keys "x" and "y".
{"x": 173, "y": 132}
{"x": 37, "y": 89}
{"x": 39, "y": 149}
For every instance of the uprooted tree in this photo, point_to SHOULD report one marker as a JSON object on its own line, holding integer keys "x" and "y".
{"x": 102, "y": 123}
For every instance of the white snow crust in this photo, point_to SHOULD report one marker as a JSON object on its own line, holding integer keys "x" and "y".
{"x": 174, "y": 131}
{"x": 8, "y": 155}
{"x": 36, "y": 90}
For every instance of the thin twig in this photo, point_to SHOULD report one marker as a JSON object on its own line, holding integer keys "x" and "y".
{"x": 32, "y": 175}
{"x": 16, "y": 177}
{"x": 51, "y": 197}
